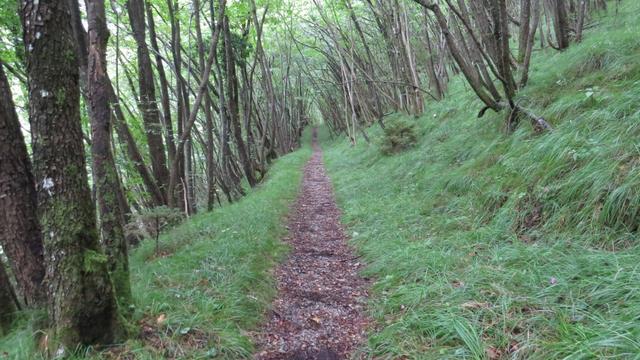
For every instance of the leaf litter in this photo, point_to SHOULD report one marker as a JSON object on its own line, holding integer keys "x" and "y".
{"x": 319, "y": 309}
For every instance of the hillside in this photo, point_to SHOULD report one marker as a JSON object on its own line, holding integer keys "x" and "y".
{"x": 519, "y": 245}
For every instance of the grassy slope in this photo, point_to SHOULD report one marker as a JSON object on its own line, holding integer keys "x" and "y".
{"x": 465, "y": 263}
{"x": 216, "y": 283}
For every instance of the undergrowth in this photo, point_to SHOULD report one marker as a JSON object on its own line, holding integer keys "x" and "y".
{"x": 212, "y": 283}
{"x": 399, "y": 134}
{"x": 486, "y": 245}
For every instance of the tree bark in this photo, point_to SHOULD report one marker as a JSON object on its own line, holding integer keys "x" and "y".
{"x": 530, "y": 42}
{"x": 582, "y": 11}
{"x": 81, "y": 302}
{"x": 7, "y": 302}
{"x": 182, "y": 112}
{"x": 148, "y": 106}
{"x": 523, "y": 39}
{"x": 208, "y": 146}
{"x": 20, "y": 234}
{"x": 560, "y": 23}
{"x": 164, "y": 84}
{"x": 234, "y": 108}
{"x": 81, "y": 36}
{"x": 105, "y": 176}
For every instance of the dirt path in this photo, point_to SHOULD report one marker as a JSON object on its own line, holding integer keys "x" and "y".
{"x": 318, "y": 313}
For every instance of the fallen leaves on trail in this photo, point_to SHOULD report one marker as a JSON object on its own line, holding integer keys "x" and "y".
{"x": 318, "y": 313}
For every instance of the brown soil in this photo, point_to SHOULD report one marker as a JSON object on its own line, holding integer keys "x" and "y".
{"x": 319, "y": 309}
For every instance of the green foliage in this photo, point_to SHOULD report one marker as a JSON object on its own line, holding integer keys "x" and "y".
{"x": 521, "y": 246}
{"x": 11, "y": 48}
{"x": 399, "y": 134}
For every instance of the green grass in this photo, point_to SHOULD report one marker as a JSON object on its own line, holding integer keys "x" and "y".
{"x": 216, "y": 283}
{"x": 483, "y": 244}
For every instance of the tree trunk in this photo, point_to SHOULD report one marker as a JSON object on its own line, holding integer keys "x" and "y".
{"x": 81, "y": 36}
{"x": 208, "y": 148}
{"x": 181, "y": 201}
{"x": 234, "y": 108}
{"x": 434, "y": 80}
{"x": 523, "y": 39}
{"x": 7, "y": 301}
{"x": 580, "y": 22}
{"x": 148, "y": 106}
{"x": 560, "y": 23}
{"x": 164, "y": 84}
{"x": 105, "y": 176}
{"x": 20, "y": 235}
{"x": 81, "y": 302}
{"x": 530, "y": 42}
{"x": 501, "y": 23}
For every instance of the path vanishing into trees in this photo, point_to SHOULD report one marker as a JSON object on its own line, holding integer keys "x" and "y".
{"x": 319, "y": 309}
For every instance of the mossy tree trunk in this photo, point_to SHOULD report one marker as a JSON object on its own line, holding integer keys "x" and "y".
{"x": 81, "y": 302}
{"x": 20, "y": 234}
{"x": 105, "y": 176}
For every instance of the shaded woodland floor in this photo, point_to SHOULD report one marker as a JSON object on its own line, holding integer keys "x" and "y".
{"x": 318, "y": 313}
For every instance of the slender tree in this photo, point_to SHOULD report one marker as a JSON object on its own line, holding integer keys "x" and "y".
{"x": 233, "y": 103}
{"x": 530, "y": 42}
{"x": 105, "y": 176}
{"x": 148, "y": 105}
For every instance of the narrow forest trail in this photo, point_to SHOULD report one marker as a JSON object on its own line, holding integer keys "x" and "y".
{"x": 319, "y": 309}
